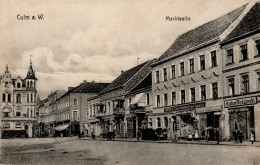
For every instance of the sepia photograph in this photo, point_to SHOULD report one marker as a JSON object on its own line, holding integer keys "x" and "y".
{"x": 130, "y": 82}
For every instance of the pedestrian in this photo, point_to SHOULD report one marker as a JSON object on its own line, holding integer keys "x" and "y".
{"x": 217, "y": 135}
{"x": 240, "y": 136}
{"x": 138, "y": 135}
{"x": 203, "y": 133}
{"x": 93, "y": 135}
{"x": 252, "y": 137}
{"x": 196, "y": 135}
{"x": 235, "y": 133}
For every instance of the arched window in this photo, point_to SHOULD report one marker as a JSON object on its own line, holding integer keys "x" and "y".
{"x": 159, "y": 122}
{"x": 18, "y": 125}
{"x": 166, "y": 121}
{"x": 18, "y": 85}
{"x": 31, "y": 97}
{"x": 28, "y": 84}
{"x": 31, "y": 84}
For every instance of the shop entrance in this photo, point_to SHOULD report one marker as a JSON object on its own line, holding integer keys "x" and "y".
{"x": 241, "y": 119}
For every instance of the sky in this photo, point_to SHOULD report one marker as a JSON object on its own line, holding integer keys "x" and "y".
{"x": 94, "y": 40}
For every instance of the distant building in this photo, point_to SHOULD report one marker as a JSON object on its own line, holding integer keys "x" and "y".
{"x": 18, "y": 104}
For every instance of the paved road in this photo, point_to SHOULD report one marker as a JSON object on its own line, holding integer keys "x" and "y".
{"x": 76, "y": 151}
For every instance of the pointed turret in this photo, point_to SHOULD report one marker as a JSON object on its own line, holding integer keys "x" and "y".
{"x": 31, "y": 73}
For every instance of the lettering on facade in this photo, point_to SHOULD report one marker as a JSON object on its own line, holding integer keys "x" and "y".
{"x": 240, "y": 102}
{"x": 184, "y": 107}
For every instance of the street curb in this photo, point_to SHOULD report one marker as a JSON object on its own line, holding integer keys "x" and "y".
{"x": 117, "y": 140}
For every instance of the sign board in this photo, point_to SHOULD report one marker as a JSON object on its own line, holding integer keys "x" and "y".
{"x": 240, "y": 102}
{"x": 184, "y": 107}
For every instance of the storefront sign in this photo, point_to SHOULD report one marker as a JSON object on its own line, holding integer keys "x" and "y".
{"x": 184, "y": 107}
{"x": 240, "y": 102}
{"x": 209, "y": 109}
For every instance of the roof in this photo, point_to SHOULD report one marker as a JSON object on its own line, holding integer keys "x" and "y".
{"x": 130, "y": 77}
{"x": 86, "y": 87}
{"x": 203, "y": 34}
{"x": 31, "y": 73}
{"x": 249, "y": 23}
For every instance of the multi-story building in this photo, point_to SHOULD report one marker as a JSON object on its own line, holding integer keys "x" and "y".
{"x": 109, "y": 107}
{"x": 187, "y": 82}
{"x": 18, "y": 104}
{"x": 241, "y": 76}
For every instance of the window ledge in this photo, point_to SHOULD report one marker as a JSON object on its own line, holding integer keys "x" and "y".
{"x": 229, "y": 64}
{"x": 213, "y": 67}
{"x": 202, "y": 70}
{"x": 191, "y": 73}
{"x": 243, "y": 60}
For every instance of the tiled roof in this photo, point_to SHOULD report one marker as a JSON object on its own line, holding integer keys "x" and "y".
{"x": 249, "y": 23}
{"x": 90, "y": 87}
{"x": 144, "y": 84}
{"x": 124, "y": 77}
{"x": 202, "y": 34}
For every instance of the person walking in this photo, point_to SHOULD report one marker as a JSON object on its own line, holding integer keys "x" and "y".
{"x": 235, "y": 135}
{"x": 252, "y": 137}
{"x": 240, "y": 136}
{"x": 138, "y": 135}
{"x": 217, "y": 135}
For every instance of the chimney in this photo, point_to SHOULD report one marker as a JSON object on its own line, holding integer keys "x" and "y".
{"x": 122, "y": 71}
{"x": 85, "y": 81}
{"x": 69, "y": 88}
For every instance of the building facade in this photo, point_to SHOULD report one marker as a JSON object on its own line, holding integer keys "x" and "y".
{"x": 18, "y": 104}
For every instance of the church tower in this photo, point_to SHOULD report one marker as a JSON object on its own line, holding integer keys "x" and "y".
{"x": 30, "y": 79}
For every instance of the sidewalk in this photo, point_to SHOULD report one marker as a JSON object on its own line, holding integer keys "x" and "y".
{"x": 199, "y": 142}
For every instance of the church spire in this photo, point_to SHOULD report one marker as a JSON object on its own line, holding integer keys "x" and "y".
{"x": 31, "y": 73}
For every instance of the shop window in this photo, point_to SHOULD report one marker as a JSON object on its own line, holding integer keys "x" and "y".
{"x": 245, "y": 84}
{"x": 157, "y": 76}
{"x": 182, "y": 96}
{"x": 257, "y": 47}
{"x": 192, "y": 65}
{"x": 165, "y": 99}
{"x": 159, "y": 122}
{"x": 244, "y": 53}
{"x": 158, "y": 100}
{"x": 18, "y": 114}
{"x": 203, "y": 92}
{"x": 192, "y": 94}
{"x": 147, "y": 99}
{"x": 173, "y": 71}
{"x": 165, "y": 74}
{"x": 230, "y": 56}
{"x": 75, "y": 102}
{"x": 173, "y": 98}
{"x": 4, "y": 97}
{"x": 202, "y": 62}
{"x": 214, "y": 90}
{"x": 231, "y": 86}
{"x": 213, "y": 58}
{"x": 182, "y": 68}
{"x": 166, "y": 121}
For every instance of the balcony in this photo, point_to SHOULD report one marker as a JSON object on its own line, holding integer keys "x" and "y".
{"x": 119, "y": 111}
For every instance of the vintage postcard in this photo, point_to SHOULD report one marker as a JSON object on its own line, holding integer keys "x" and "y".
{"x": 130, "y": 82}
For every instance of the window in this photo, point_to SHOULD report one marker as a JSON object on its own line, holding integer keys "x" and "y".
{"x": 213, "y": 59}
{"x": 203, "y": 92}
{"x": 157, "y": 76}
{"x": 27, "y": 98}
{"x": 258, "y": 47}
{"x": 6, "y": 114}
{"x": 173, "y": 98}
{"x": 202, "y": 62}
{"x": 18, "y": 125}
{"x": 182, "y": 96}
{"x": 27, "y": 115}
{"x": 192, "y": 65}
{"x": 159, "y": 122}
{"x": 3, "y": 97}
{"x": 231, "y": 87}
{"x": 173, "y": 71}
{"x": 214, "y": 90}
{"x": 9, "y": 97}
{"x": 166, "y": 121}
{"x": 192, "y": 94}
{"x": 158, "y": 100}
{"x": 150, "y": 122}
{"x": 245, "y": 84}
{"x": 244, "y": 54}
{"x": 75, "y": 115}
{"x": 230, "y": 57}
{"x": 75, "y": 102}
{"x": 18, "y": 85}
{"x": 18, "y": 98}
{"x": 182, "y": 68}
{"x": 165, "y": 74}
{"x": 6, "y": 125}
{"x": 18, "y": 114}
{"x": 31, "y": 98}
{"x": 165, "y": 99}
{"x": 6, "y": 84}
{"x": 147, "y": 99}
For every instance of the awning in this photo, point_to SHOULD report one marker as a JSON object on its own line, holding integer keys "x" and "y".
{"x": 137, "y": 99}
{"x": 61, "y": 127}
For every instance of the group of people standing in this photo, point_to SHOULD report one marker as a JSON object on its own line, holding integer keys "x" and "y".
{"x": 210, "y": 134}
{"x": 238, "y": 136}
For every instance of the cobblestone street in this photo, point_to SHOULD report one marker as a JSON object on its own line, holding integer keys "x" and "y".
{"x": 82, "y": 151}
